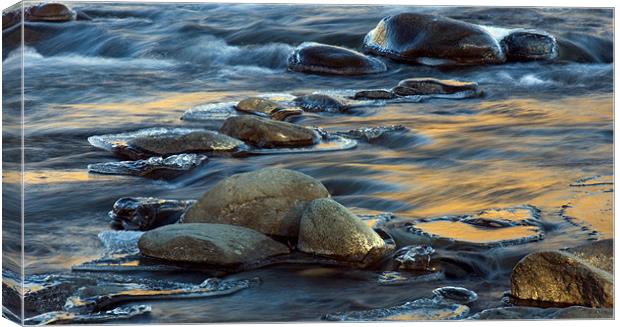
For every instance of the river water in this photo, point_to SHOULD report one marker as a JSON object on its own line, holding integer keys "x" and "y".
{"x": 538, "y": 128}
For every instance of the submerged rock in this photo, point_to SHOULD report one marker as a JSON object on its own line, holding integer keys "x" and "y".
{"x": 422, "y": 309}
{"x": 432, "y": 40}
{"x": 163, "y": 141}
{"x": 389, "y": 278}
{"x": 49, "y": 12}
{"x": 433, "y": 86}
{"x": 563, "y": 279}
{"x": 266, "y": 108}
{"x": 146, "y": 213}
{"x": 154, "y": 166}
{"x": 526, "y": 45}
{"x": 64, "y": 317}
{"x": 374, "y": 95}
{"x": 519, "y": 313}
{"x": 313, "y": 57}
{"x": 329, "y": 229}
{"x": 371, "y": 134}
{"x": 320, "y": 103}
{"x": 455, "y": 294}
{"x": 266, "y": 133}
{"x": 212, "y": 244}
{"x": 414, "y": 257}
{"x": 269, "y": 200}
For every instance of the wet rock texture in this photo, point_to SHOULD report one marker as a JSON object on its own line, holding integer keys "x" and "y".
{"x": 319, "y": 58}
{"x": 269, "y": 200}
{"x": 329, "y": 229}
{"x": 260, "y": 106}
{"x": 151, "y": 167}
{"x": 320, "y": 103}
{"x": 49, "y": 12}
{"x": 563, "y": 278}
{"x": 428, "y": 86}
{"x": 266, "y": 133}
{"x": 428, "y": 39}
{"x": 213, "y": 244}
{"x": 196, "y": 141}
{"x": 527, "y": 45}
{"x": 146, "y": 213}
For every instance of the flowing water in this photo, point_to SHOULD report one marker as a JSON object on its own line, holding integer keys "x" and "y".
{"x": 537, "y": 134}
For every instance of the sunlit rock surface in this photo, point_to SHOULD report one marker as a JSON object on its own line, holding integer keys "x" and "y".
{"x": 266, "y": 108}
{"x": 146, "y": 213}
{"x": 422, "y": 309}
{"x": 162, "y": 141}
{"x": 159, "y": 166}
{"x": 310, "y": 57}
{"x": 495, "y": 227}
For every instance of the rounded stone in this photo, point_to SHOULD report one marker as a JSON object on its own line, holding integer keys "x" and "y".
{"x": 196, "y": 141}
{"x": 49, "y": 12}
{"x": 269, "y": 200}
{"x": 432, "y": 40}
{"x": 212, "y": 244}
{"x": 329, "y": 229}
{"x": 319, "y": 58}
{"x": 527, "y": 45}
{"x": 267, "y": 133}
{"x": 429, "y": 86}
{"x": 561, "y": 278}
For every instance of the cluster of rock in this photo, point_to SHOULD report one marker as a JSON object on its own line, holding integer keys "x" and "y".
{"x": 428, "y": 40}
{"x": 252, "y": 216}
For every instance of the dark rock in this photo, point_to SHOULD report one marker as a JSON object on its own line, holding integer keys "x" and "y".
{"x": 455, "y": 294}
{"x": 527, "y": 45}
{"x": 11, "y": 18}
{"x": 266, "y": 133}
{"x": 329, "y": 229}
{"x": 320, "y": 103}
{"x": 374, "y": 95}
{"x": 313, "y": 57}
{"x": 146, "y": 213}
{"x": 49, "y": 12}
{"x": 266, "y": 108}
{"x": 152, "y": 167}
{"x": 269, "y": 200}
{"x": 431, "y": 86}
{"x": 429, "y": 39}
{"x": 414, "y": 257}
{"x": 561, "y": 278}
{"x": 212, "y": 244}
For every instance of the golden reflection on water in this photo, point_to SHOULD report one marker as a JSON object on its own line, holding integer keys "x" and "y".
{"x": 468, "y": 233}
{"x": 50, "y": 176}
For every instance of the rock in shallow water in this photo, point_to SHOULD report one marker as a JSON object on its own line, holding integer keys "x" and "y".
{"x": 64, "y": 317}
{"x": 527, "y": 45}
{"x": 164, "y": 141}
{"x": 414, "y": 257}
{"x": 433, "y": 86}
{"x": 320, "y": 103}
{"x": 212, "y": 244}
{"x": 49, "y": 12}
{"x": 154, "y": 166}
{"x": 313, "y": 57}
{"x": 266, "y": 133}
{"x": 374, "y": 95}
{"x": 455, "y": 294}
{"x": 432, "y": 40}
{"x": 561, "y": 278}
{"x": 269, "y": 200}
{"x": 422, "y": 309}
{"x": 146, "y": 213}
{"x": 331, "y": 230}
{"x": 268, "y": 108}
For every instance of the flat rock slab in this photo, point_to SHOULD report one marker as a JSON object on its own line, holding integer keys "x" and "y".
{"x": 269, "y": 200}
{"x": 266, "y": 133}
{"x": 310, "y": 57}
{"x": 212, "y": 244}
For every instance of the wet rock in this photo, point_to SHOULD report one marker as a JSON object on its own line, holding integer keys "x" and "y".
{"x": 269, "y": 200}
{"x": 267, "y": 133}
{"x": 146, "y": 143}
{"x": 599, "y": 254}
{"x": 374, "y": 95}
{"x": 561, "y": 278}
{"x": 146, "y": 213}
{"x": 64, "y": 317}
{"x": 517, "y": 313}
{"x": 152, "y": 167}
{"x": 432, "y": 40}
{"x": 527, "y": 45}
{"x": 454, "y": 294}
{"x": 329, "y": 229}
{"x": 320, "y": 103}
{"x": 328, "y": 143}
{"x": 11, "y": 18}
{"x": 119, "y": 242}
{"x": 49, "y": 12}
{"x": 211, "y": 111}
{"x": 213, "y": 244}
{"x": 422, "y": 309}
{"x": 433, "y": 86}
{"x": 389, "y": 278}
{"x": 414, "y": 257}
{"x": 266, "y": 108}
{"x": 312, "y": 57}
{"x": 371, "y": 134}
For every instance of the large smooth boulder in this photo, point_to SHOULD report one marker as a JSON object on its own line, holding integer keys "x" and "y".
{"x": 195, "y": 141}
{"x": 528, "y": 45}
{"x": 562, "y": 278}
{"x": 433, "y": 40}
{"x": 329, "y": 229}
{"x": 312, "y": 57}
{"x": 433, "y": 86}
{"x": 212, "y": 244}
{"x": 269, "y": 200}
{"x": 267, "y": 133}
{"x": 49, "y": 12}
